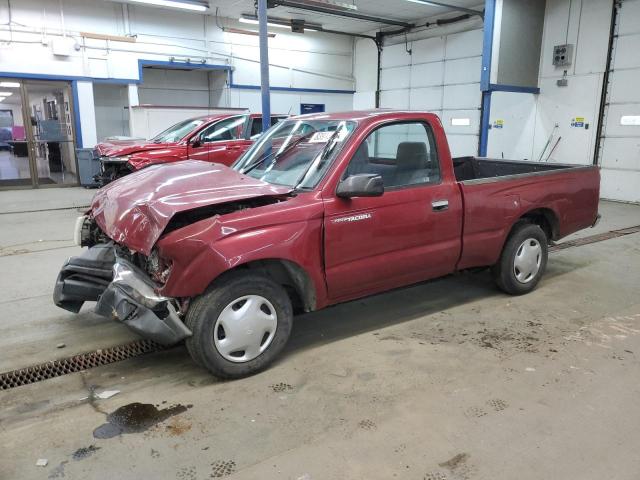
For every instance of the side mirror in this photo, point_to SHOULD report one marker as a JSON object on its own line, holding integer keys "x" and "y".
{"x": 196, "y": 142}
{"x": 361, "y": 185}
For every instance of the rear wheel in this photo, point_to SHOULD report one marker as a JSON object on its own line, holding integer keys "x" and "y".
{"x": 523, "y": 260}
{"x": 239, "y": 325}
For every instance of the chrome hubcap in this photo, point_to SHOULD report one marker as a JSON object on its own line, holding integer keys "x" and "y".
{"x": 527, "y": 262}
{"x": 245, "y": 328}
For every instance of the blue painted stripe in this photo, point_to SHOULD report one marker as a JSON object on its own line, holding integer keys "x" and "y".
{"x": 487, "y": 44}
{"x": 291, "y": 89}
{"x": 76, "y": 114}
{"x": 513, "y": 88}
{"x": 66, "y": 78}
{"x": 125, "y": 81}
{"x": 484, "y": 124}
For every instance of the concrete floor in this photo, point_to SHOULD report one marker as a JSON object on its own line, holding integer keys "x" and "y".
{"x": 444, "y": 380}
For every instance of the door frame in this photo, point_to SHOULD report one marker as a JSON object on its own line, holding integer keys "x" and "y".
{"x": 29, "y": 133}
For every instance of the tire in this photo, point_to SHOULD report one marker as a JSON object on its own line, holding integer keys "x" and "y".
{"x": 523, "y": 259}
{"x": 246, "y": 311}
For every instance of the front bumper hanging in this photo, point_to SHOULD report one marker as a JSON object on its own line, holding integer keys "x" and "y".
{"x": 123, "y": 291}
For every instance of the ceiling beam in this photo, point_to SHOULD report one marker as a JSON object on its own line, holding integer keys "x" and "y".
{"x": 340, "y": 13}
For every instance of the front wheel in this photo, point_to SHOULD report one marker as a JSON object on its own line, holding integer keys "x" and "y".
{"x": 239, "y": 325}
{"x": 523, "y": 260}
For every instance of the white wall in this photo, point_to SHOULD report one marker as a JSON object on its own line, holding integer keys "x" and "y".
{"x": 441, "y": 75}
{"x": 304, "y": 61}
{"x": 585, "y": 24}
{"x": 112, "y": 112}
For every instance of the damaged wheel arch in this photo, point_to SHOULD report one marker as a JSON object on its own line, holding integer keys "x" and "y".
{"x": 287, "y": 273}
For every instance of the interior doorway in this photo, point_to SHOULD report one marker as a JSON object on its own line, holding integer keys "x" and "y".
{"x": 36, "y": 134}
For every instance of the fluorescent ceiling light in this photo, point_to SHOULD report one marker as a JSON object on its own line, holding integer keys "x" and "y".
{"x": 425, "y": 3}
{"x": 10, "y": 84}
{"x": 255, "y": 22}
{"x": 6, "y": 94}
{"x": 174, "y": 4}
{"x": 280, "y": 23}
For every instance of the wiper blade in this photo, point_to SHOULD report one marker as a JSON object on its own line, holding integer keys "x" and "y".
{"x": 275, "y": 155}
{"x": 321, "y": 158}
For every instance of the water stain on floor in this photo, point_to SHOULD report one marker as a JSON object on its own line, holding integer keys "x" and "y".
{"x": 136, "y": 418}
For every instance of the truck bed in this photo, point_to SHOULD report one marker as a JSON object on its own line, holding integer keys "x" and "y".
{"x": 496, "y": 193}
{"x": 473, "y": 169}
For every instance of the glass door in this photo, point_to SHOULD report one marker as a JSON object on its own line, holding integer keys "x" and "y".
{"x": 50, "y": 135}
{"x": 15, "y": 164}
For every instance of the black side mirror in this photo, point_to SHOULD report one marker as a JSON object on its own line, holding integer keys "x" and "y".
{"x": 196, "y": 142}
{"x": 361, "y": 185}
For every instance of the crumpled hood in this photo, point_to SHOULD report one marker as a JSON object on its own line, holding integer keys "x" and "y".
{"x": 127, "y": 147}
{"x": 135, "y": 210}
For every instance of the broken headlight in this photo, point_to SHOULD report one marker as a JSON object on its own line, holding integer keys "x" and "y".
{"x": 158, "y": 267}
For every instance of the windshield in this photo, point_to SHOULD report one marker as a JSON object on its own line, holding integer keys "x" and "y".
{"x": 295, "y": 153}
{"x": 178, "y": 131}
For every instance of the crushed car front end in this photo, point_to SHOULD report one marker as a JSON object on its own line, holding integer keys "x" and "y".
{"x": 112, "y": 168}
{"x": 123, "y": 283}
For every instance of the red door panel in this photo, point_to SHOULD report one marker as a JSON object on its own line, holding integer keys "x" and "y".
{"x": 373, "y": 244}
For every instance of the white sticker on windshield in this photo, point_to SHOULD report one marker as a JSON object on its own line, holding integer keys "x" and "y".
{"x": 321, "y": 137}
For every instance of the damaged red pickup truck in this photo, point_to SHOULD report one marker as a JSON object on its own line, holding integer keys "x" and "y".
{"x": 219, "y": 138}
{"x": 322, "y": 209}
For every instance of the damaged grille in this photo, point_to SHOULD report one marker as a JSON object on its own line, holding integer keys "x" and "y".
{"x": 76, "y": 363}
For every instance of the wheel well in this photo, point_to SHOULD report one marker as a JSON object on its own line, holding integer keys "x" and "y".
{"x": 546, "y": 219}
{"x": 290, "y": 275}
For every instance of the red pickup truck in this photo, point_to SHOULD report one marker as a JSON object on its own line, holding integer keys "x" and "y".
{"x": 220, "y": 138}
{"x": 324, "y": 208}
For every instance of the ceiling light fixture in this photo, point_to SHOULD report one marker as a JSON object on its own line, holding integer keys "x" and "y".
{"x": 196, "y": 7}
{"x": 255, "y": 22}
{"x": 279, "y": 23}
{"x": 6, "y": 94}
{"x": 9, "y": 84}
{"x": 446, "y": 5}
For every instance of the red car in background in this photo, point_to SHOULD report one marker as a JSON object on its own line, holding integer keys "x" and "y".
{"x": 219, "y": 138}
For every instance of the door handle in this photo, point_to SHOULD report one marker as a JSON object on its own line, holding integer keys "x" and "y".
{"x": 440, "y": 205}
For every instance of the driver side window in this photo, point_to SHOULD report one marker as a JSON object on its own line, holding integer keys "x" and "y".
{"x": 403, "y": 154}
{"x": 229, "y": 129}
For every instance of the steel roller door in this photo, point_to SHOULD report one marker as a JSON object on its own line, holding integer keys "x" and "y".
{"x": 441, "y": 75}
{"x": 619, "y": 155}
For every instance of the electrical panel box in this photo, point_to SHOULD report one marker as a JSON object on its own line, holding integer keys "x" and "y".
{"x": 562, "y": 55}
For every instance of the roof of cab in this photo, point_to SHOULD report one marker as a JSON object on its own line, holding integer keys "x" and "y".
{"x": 360, "y": 115}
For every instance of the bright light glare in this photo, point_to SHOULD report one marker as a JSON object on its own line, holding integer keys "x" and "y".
{"x": 174, "y": 4}
{"x": 10, "y": 84}
{"x": 461, "y": 122}
{"x": 424, "y": 3}
{"x": 255, "y": 22}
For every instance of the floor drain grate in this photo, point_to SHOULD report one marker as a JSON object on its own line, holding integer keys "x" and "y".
{"x": 77, "y": 363}
{"x": 595, "y": 238}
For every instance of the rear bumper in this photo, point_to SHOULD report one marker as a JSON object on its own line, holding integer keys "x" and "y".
{"x": 123, "y": 293}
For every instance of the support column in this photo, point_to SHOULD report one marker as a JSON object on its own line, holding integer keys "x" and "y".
{"x": 85, "y": 113}
{"x": 264, "y": 65}
{"x": 132, "y": 97}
